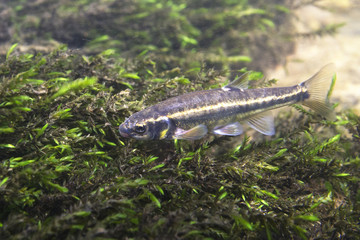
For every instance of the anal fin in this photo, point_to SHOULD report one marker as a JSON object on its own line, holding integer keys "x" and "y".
{"x": 263, "y": 123}
{"x": 191, "y": 134}
{"x": 232, "y": 129}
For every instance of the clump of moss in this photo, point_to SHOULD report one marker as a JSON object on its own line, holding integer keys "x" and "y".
{"x": 66, "y": 173}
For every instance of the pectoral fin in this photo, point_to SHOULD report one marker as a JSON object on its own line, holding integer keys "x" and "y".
{"x": 263, "y": 122}
{"x": 191, "y": 134}
{"x": 232, "y": 129}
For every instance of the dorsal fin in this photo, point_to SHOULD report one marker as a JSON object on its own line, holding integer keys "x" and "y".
{"x": 240, "y": 82}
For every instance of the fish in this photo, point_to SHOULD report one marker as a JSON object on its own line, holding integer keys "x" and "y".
{"x": 223, "y": 111}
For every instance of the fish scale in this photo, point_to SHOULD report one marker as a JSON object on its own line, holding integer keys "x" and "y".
{"x": 214, "y": 105}
{"x": 190, "y": 116}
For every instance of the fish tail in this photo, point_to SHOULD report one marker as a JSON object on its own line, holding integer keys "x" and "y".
{"x": 318, "y": 87}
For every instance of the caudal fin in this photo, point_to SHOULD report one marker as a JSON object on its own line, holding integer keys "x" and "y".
{"x": 318, "y": 87}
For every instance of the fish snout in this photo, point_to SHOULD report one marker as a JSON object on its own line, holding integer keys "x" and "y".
{"x": 124, "y": 132}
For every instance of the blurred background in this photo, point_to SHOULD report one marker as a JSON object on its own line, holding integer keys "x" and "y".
{"x": 287, "y": 40}
{"x": 342, "y": 49}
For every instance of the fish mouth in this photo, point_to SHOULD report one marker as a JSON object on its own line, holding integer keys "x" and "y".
{"x": 124, "y": 132}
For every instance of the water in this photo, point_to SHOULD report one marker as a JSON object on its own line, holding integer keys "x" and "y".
{"x": 341, "y": 49}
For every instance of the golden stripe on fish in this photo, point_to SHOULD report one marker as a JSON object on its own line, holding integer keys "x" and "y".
{"x": 192, "y": 115}
{"x": 237, "y": 103}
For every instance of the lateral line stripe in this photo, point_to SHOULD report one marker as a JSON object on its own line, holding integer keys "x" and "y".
{"x": 233, "y": 103}
{"x": 230, "y": 104}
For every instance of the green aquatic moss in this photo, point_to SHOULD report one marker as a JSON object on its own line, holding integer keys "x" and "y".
{"x": 66, "y": 173}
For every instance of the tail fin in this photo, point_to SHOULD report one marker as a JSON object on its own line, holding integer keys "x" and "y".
{"x": 318, "y": 87}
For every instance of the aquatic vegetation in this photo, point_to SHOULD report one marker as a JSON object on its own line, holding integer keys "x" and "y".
{"x": 66, "y": 172}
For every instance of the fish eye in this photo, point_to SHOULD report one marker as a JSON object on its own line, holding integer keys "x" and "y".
{"x": 140, "y": 128}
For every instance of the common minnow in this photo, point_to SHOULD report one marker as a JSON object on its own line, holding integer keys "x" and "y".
{"x": 191, "y": 115}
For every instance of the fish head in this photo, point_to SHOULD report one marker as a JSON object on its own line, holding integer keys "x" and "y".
{"x": 141, "y": 127}
{"x": 135, "y": 128}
